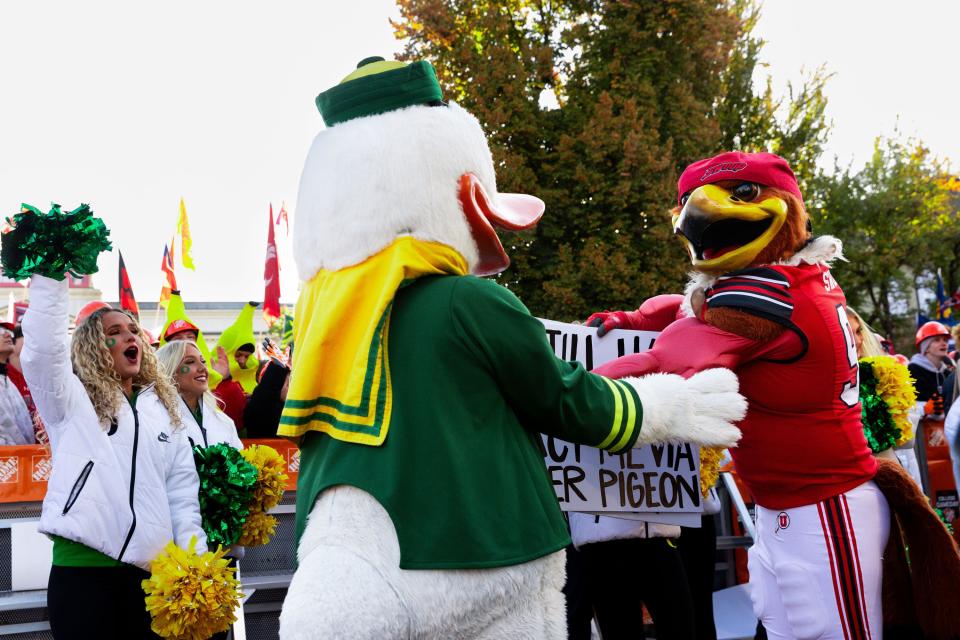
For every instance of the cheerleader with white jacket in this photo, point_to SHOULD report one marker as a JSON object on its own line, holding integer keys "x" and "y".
{"x": 205, "y": 423}
{"x": 124, "y": 482}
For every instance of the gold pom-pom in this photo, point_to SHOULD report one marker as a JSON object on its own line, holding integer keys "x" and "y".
{"x": 710, "y": 458}
{"x": 190, "y": 596}
{"x": 271, "y": 476}
{"x": 258, "y": 528}
{"x": 895, "y": 386}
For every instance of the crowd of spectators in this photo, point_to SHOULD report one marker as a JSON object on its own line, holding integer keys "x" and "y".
{"x": 255, "y": 412}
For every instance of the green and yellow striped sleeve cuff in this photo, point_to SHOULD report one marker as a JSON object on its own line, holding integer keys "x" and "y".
{"x": 627, "y": 416}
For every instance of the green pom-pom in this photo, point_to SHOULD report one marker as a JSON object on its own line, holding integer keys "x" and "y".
{"x": 53, "y": 244}
{"x": 878, "y": 425}
{"x": 227, "y": 484}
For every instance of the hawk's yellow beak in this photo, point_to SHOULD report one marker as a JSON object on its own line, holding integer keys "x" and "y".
{"x": 723, "y": 232}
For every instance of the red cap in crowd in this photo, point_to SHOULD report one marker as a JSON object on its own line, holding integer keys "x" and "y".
{"x": 88, "y": 309}
{"x": 929, "y": 330}
{"x": 177, "y": 326}
{"x": 767, "y": 169}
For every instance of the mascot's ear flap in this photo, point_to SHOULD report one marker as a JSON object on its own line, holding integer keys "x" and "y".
{"x": 511, "y": 211}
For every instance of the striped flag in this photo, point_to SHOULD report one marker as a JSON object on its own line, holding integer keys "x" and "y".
{"x": 169, "y": 277}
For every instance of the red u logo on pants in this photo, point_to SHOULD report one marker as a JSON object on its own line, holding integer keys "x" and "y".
{"x": 783, "y": 520}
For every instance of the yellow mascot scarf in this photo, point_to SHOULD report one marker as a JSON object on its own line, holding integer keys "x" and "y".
{"x": 341, "y": 372}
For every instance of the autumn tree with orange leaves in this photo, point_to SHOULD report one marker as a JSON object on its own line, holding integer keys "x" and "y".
{"x": 596, "y": 106}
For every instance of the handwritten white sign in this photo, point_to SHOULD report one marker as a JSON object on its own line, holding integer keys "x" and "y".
{"x": 662, "y": 479}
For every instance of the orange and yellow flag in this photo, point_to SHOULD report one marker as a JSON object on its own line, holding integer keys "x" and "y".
{"x": 169, "y": 277}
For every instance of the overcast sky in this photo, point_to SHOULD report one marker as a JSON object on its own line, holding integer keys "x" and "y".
{"x": 130, "y": 109}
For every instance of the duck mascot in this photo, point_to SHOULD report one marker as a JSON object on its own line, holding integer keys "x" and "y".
{"x": 419, "y": 390}
{"x": 762, "y": 302}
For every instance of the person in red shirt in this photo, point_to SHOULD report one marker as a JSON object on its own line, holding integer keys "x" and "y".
{"x": 229, "y": 391}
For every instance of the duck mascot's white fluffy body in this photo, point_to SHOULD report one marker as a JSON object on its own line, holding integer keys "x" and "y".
{"x": 419, "y": 390}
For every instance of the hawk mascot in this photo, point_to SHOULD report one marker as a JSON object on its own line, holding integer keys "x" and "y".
{"x": 762, "y": 302}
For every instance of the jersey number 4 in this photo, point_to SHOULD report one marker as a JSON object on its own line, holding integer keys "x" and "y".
{"x": 850, "y": 393}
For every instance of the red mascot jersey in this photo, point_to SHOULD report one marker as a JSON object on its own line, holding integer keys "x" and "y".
{"x": 802, "y": 437}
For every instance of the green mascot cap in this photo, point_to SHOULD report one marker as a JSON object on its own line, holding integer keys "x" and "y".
{"x": 378, "y": 86}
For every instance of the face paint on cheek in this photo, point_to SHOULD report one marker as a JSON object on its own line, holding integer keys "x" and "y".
{"x": 110, "y": 343}
{"x": 184, "y": 369}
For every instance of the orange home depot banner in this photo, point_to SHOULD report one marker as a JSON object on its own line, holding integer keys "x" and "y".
{"x": 290, "y": 453}
{"x": 25, "y": 469}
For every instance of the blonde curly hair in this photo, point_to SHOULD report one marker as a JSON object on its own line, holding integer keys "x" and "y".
{"x": 93, "y": 364}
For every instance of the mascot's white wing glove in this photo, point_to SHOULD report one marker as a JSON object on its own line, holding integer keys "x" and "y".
{"x": 700, "y": 409}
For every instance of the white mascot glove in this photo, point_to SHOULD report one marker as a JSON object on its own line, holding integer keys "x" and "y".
{"x": 700, "y": 410}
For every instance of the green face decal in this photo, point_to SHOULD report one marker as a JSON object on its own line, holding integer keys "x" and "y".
{"x": 185, "y": 369}
{"x": 111, "y": 342}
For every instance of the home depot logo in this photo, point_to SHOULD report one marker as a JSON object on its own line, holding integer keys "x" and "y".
{"x": 9, "y": 469}
{"x": 293, "y": 461}
{"x": 41, "y": 468}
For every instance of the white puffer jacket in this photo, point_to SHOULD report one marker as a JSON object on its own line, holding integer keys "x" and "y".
{"x": 217, "y": 427}
{"x": 16, "y": 426}
{"x": 125, "y": 490}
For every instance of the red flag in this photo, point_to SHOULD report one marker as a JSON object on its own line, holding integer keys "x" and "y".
{"x": 283, "y": 216}
{"x": 19, "y": 309}
{"x": 127, "y": 301}
{"x": 169, "y": 277}
{"x": 271, "y": 277}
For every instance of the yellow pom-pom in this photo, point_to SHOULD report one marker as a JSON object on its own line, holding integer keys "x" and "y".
{"x": 710, "y": 458}
{"x": 257, "y": 529}
{"x": 271, "y": 476}
{"x": 895, "y": 386}
{"x": 190, "y": 596}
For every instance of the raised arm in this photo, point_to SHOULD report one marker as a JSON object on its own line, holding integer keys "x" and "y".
{"x": 563, "y": 399}
{"x": 46, "y": 352}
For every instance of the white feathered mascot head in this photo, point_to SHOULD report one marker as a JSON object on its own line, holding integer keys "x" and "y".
{"x": 396, "y": 160}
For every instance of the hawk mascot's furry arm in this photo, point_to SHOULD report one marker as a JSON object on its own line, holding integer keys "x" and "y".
{"x": 762, "y": 301}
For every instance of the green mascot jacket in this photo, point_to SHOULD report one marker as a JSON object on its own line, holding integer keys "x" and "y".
{"x": 461, "y": 472}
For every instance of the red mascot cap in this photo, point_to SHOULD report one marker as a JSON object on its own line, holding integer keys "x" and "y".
{"x": 767, "y": 169}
